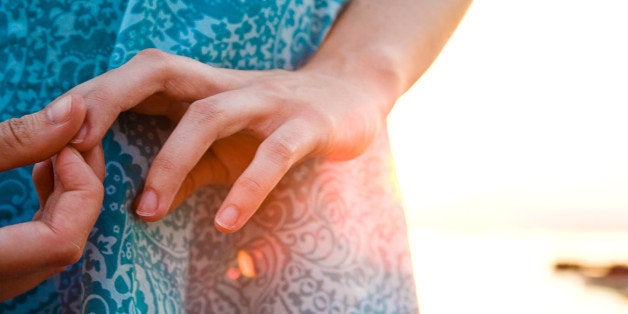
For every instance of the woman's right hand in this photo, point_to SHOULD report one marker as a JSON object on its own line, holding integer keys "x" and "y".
{"x": 243, "y": 129}
{"x": 70, "y": 190}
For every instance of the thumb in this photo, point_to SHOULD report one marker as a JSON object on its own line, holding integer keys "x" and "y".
{"x": 38, "y": 136}
{"x": 58, "y": 238}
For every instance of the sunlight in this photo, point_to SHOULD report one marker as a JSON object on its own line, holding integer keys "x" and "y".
{"x": 524, "y": 114}
{"x": 511, "y": 153}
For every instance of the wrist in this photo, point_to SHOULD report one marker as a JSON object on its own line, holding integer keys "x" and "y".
{"x": 374, "y": 70}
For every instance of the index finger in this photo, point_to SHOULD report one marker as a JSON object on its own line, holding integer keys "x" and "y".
{"x": 149, "y": 73}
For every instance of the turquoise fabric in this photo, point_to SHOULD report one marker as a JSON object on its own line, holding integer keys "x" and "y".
{"x": 49, "y": 46}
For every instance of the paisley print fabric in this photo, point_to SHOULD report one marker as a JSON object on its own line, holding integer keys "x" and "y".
{"x": 330, "y": 238}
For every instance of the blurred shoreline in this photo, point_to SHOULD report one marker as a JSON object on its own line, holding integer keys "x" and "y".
{"x": 513, "y": 271}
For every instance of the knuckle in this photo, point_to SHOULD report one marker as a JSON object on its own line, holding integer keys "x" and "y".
{"x": 152, "y": 55}
{"x": 161, "y": 65}
{"x": 327, "y": 122}
{"x": 270, "y": 85}
{"x": 96, "y": 190}
{"x": 68, "y": 252}
{"x": 282, "y": 151}
{"x": 251, "y": 186}
{"x": 323, "y": 121}
{"x": 274, "y": 80}
{"x": 166, "y": 166}
{"x": 16, "y": 133}
{"x": 207, "y": 111}
{"x": 71, "y": 254}
{"x": 99, "y": 96}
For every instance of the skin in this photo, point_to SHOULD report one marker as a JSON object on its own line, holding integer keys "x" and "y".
{"x": 240, "y": 128}
{"x": 246, "y": 129}
{"x": 69, "y": 186}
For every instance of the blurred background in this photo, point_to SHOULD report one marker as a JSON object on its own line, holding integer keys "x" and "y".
{"x": 512, "y": 156}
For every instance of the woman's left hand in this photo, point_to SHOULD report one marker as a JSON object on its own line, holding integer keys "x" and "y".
{"x": 245, "y": 128}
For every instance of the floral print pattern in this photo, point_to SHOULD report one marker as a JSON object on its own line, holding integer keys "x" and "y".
{"x": 330, "y": 238}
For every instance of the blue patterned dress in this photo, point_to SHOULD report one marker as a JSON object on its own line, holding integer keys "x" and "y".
{"x": 330, "y": 238}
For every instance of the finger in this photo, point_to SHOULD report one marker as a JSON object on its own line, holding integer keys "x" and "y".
{"x": 80, "y": 183}
{"x": 95, "y": 158}
{"x": 208, "y": 170}
{"x": 14, "y": 286}
{"x": 222, "y": 164}
{"x": 159, "y": 105}
{"x": 38, "y": 136}
{"x": 58, "y": 238}
{"x": 43, "y": 179}
{"x": 205, "y": 121}
{"x": 151, "y": 72}
{"x": 276, "y": 155}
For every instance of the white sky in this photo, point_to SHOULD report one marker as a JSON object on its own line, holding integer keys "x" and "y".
{"x": 522, "y": 121}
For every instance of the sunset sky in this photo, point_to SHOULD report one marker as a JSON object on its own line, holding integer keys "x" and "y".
{"x": 522, "y": 121}
{"x": 512, "y": 154}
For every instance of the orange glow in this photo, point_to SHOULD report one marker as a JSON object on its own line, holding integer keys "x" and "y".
{"x": 233, "y": 273}
{"x": 246, "y": 264}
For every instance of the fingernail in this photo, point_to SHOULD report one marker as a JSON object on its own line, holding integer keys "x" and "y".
{"x": 80, "y": 136}
{"x": 148, "y": 204}
{"x": 227, "y": 217}
{"x": 59, "y": 111}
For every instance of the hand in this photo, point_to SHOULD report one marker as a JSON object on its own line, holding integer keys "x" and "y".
{"x": 70, "y": 191}
{"x": 38, "y": 136}
{"x": 245, "y": 128}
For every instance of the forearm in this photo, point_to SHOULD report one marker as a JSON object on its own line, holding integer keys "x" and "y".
{"x": 386, "y": 45}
